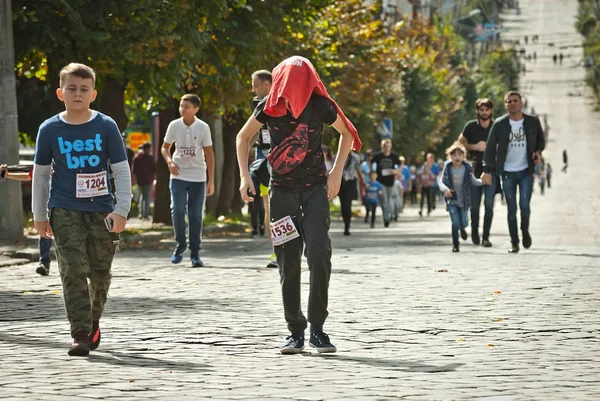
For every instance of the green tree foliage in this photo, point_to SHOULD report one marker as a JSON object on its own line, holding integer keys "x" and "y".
{"x": 147, "y": 53}
{"x": 588, "y": 26}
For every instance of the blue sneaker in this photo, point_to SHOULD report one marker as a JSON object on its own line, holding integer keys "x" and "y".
{"x": 320, "y": 341}
{"x": 294, "y": 345}
{"x": 197, "y": 262}
{"x": 177, "y": 256}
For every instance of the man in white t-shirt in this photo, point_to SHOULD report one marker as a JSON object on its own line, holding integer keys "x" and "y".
{"x": 192, "y": 169}
{"x": 513, "y": 149}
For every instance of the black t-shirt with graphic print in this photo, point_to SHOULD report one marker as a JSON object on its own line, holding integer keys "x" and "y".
{"x": 385, "y": 165}
{"x": 311, "y": 171}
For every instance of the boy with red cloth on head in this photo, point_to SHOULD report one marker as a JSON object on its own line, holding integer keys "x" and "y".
{"x": 294, "y": 112}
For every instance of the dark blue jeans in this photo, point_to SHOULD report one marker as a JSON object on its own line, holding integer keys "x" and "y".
{"x": 460, "y": 220}
{"x": 510, "y": 182}
{"x": 489, "y": 192}
{"x": 187, "y": 195}
{"x": 44, "y": 246}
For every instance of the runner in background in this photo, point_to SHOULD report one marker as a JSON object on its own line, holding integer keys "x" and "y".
{"x": 474, "y": 138}
{"x": 262, "y": 81}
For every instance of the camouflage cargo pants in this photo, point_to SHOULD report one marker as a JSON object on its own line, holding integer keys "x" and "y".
{"x": 84, "y": 249}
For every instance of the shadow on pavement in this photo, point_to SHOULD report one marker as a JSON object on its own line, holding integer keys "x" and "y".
{"x": 405, "y": 366}
{"x": 16, "y": 306}
{"x": 109, "y": 357}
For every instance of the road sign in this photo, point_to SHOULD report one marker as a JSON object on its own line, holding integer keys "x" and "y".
{"x": 386, "y": 128}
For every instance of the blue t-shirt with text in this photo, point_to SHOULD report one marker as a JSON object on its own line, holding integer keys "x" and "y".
{"x": 373, "y": 192}
{"x": 83, "y": 149}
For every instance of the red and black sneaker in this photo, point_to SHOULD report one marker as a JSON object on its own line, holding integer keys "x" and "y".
{"x": 81, "y": 344}
{"x": 95, "y": 336}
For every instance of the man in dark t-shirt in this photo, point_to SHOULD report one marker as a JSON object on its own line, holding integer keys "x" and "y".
{"x": 295, "y": 110}
{"x": 386, "y": 165}
{"x": 474, "y": 137}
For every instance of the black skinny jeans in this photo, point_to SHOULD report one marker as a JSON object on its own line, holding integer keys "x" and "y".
{"x": 347, "y": 193}
{"x": 427, "y": 192}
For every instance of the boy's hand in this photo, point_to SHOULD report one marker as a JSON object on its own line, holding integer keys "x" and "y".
{"x": 448, "y": 194}
{"x": 537, "y": 158}
{"x": 486, "y": 179}
{"x": 43, "y": 228}
{"x": 119, "y": 222}
{"x": 173, "y": 168}
{"x": 210, "y": 188}
{"x": 245, "y": 186}
{"x": 334, "y": 181}
{"x": 481, "y": 146}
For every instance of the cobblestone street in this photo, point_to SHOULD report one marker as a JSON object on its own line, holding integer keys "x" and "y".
{"x": 411, "y": 320}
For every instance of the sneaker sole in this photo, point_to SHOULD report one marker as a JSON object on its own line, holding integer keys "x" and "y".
{"x": 291, "y": 351}
{"x": 324, "y": 350}
{"x": 79, "y": 352}
{"x": 41, "y": 271}
{"x": 273, "y": 265}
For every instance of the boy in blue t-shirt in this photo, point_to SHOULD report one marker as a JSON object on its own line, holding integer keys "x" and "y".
{"x": 374, "y": 191}
{"x": 80, "y": 146}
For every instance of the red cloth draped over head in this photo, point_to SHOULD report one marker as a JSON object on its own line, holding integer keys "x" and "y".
{"x": 295, "y": 79}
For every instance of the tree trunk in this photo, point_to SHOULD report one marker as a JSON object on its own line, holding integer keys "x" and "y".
{"x": 112, "y": 102}
{"x": 212, "y": 202}
{"x": 11, "y": 208}
{"x": 229, "y": 182}
{"x": 55, "y": 64}
{"x": 162, "y": 197}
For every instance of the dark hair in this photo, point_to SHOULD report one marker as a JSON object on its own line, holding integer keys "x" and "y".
{"x": 485, "y": 102}
{"x": 263, "y": 75}
{"x": 78, "y": 70}
{"x": 512, "y": 93}
{"x": 193, "y": 99}
{"x": 146, "y": 145}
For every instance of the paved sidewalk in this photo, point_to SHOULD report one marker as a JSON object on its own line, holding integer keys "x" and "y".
{"x": 411, "y": 320}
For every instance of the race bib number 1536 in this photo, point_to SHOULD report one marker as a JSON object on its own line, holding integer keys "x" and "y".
{"x": 283, "y": 230}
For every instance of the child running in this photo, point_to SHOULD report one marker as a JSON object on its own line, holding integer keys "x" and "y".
{"x": 80, "y": 145}
{"x": 374, "y": 191}
{"x": 456, "y": 183}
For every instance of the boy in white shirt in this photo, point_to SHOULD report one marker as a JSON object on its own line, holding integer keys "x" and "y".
{"x": 192, "y": 169}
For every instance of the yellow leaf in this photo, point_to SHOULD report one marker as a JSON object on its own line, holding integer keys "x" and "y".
{"x": 56, "y": 292}
{"x": 496, "y": 292}
{"x": 460, "y": 340}
{"x": 27, "y": 293}
{"x": 490, "y": 345}
{"x": 497, "y": 320}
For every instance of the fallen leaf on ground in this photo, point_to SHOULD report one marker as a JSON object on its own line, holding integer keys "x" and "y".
{"x": 497, "y": 320}
{"x": 460, "y": 340}
{"x": 490, "y": 345}
{"x": 443, "y": 271}
{"x": 496, "y": 292}
{"x": 26, "y": 293}
{"x": 56, "y": 292}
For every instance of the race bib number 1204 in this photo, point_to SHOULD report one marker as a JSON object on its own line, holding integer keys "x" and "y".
{"x": 91, "y": 185}
{"x": 283, "y": 230}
